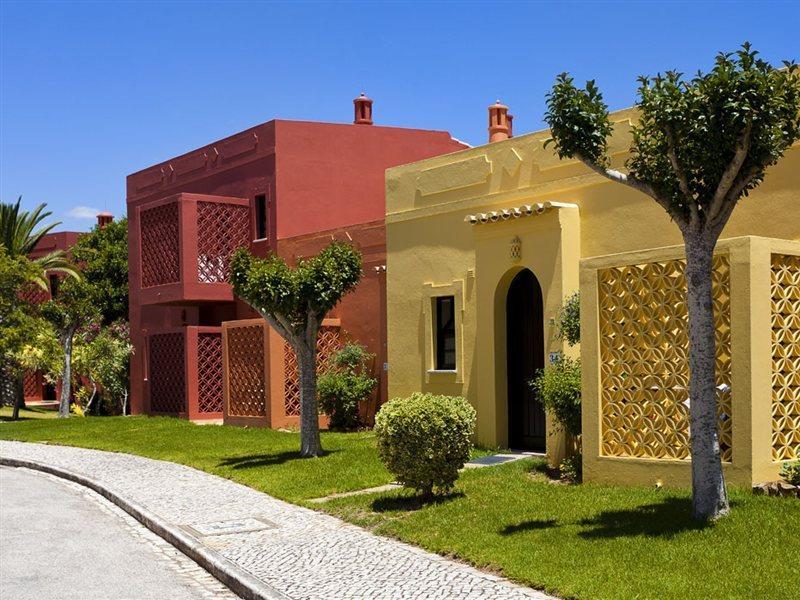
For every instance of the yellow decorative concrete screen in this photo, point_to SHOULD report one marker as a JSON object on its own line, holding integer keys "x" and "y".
{"x": 785, "y": 357}
{"x": 644, "y": 348}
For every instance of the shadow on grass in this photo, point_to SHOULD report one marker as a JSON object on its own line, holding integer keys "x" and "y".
{"x": 531, "y": 525}
{"x": 411, "y": 503}
{"x": 253, "y": 461}
{"x": 666, "y": 519}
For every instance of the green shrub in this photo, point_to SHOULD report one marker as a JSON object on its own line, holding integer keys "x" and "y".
{"x": 344, "y": 385}
{"x": 791, "y": 472}
{"x": 572, "y": 468}
{"x": 568, "y": 320}
{"x": 425, "y": 439}
{"x": 559, "y": 389}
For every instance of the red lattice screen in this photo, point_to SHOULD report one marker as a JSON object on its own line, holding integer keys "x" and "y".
{"x": 167, "y": 373}
{"x": 247, "y": 390}
{"x": 221, "y": 229}
{"x": 32, "y": 384}
{"x": 328, "y": 343}
{"x": 33, "y": 294}
{"x": 160, "y": 245}
{"x": 209, "y": 372}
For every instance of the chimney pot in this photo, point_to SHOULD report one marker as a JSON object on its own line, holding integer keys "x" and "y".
{"x": 499, "y": 125}
{"x": 104, "y": 218}
{"x": 363, "y": 110}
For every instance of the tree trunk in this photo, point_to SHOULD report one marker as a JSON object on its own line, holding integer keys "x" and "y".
{"x": 19, "y": 397}
{"x": 91, "y": 398}
{"x": 309, "y": 412}
{"x": 66, "y": 375}
{"x": 709, "y": 497}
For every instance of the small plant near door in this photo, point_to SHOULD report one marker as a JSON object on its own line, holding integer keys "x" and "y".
{"x": 345, "y": 385}
{"x": 558, "y": 386}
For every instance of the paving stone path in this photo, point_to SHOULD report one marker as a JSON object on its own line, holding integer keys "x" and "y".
{"x": 300, "y": 553}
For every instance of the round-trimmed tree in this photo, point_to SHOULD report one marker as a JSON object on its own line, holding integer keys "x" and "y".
{"x": 700, "y": 146}
{"x": 294, "y": 301}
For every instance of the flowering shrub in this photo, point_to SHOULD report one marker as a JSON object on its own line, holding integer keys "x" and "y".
{"x": 424, "y": 440}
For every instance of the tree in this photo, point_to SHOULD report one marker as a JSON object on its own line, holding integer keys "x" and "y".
{"x": 73, "y": 308}
{"x": 700, "y": 145}
{"x": 103, "y": 257}
{"x": 294, "y": 301}
{"x": 18, "y": 325}
{"x": 102, "y": 356}
{"x": 21, "y": 231}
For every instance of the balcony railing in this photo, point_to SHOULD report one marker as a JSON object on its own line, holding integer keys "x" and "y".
{"x": 185, "y": 245}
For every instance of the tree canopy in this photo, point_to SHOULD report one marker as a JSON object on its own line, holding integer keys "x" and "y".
{"x": 700, "y": 143}
{"x": 289, "y": 298}
{"x": 21, "y": 231}
{"x": 103, "y": 258}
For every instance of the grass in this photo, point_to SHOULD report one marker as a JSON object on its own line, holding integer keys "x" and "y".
{"x": 264, "y": 459}
{"x": 576, "y": 541}
{"x": 592, "y": 541}
{"x": 32, "y": 412}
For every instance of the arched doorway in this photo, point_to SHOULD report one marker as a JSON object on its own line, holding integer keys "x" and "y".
{"x": 524, "y": 355}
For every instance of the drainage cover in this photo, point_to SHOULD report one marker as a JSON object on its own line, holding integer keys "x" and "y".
{"x": 244, "y": 525}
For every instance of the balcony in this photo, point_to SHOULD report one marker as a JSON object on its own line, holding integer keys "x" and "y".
{"x": 185, "y": 243}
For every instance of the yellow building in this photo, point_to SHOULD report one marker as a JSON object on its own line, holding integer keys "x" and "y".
{"x": 484, "y": 244}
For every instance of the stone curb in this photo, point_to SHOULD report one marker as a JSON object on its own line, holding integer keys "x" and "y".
{"x": 237, "y": 579}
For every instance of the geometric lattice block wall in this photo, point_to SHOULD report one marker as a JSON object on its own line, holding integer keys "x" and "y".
{"x": 785, "y": 297}
{"x": 209, "y": 372}
{"x": 167, "y": 373}
{"x": 644, "y": 368}
{"x": 328, "y": 343}
{"x": 221, "y": 229}
{"x": 160, "y": 245}
{"x": 247, "y": 387}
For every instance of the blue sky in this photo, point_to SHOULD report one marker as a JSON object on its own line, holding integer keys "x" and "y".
{"x": 90, "y": 92}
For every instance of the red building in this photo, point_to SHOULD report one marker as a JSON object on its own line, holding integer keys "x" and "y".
{"x": 283, "y": 186}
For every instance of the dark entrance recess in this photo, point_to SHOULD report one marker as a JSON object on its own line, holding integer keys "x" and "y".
{"x": 525, "y": 355}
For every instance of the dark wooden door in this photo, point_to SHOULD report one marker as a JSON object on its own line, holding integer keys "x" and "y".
{"x": 525, "y": 355}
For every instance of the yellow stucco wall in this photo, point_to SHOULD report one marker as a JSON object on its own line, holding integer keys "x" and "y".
{"x": 431, "y": 249}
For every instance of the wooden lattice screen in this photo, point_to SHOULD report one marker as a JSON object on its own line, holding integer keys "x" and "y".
{"x": 167, "y": 373}
{"x": 221, "y": 229}
{"x": 247, "y": 386}
{"x": 160, "y": 245}
{"x": 209, "y": 372}
{"x": 328, "y": 342}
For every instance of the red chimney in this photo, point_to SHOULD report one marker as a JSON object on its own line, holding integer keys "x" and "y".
{"x": 104, "y": 218}
{"x": 499, "y": 129}
{"x": 363, "y": 107}
{"x": 510, "y": 125}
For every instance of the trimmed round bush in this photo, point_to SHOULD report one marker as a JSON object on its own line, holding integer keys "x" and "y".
{"x": 425, "y": 439}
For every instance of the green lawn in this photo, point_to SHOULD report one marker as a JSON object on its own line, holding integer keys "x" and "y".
{"x": 33, "y": 412}
{"x": 596, "y": 542}
{"x": 577, "y": 541}
{"x": 264, "y": 459}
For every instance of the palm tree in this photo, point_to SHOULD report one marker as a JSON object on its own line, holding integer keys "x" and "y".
{"x": 21, "y": 231}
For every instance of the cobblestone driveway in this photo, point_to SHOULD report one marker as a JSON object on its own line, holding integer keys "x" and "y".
{"x": 299, "y": 552}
